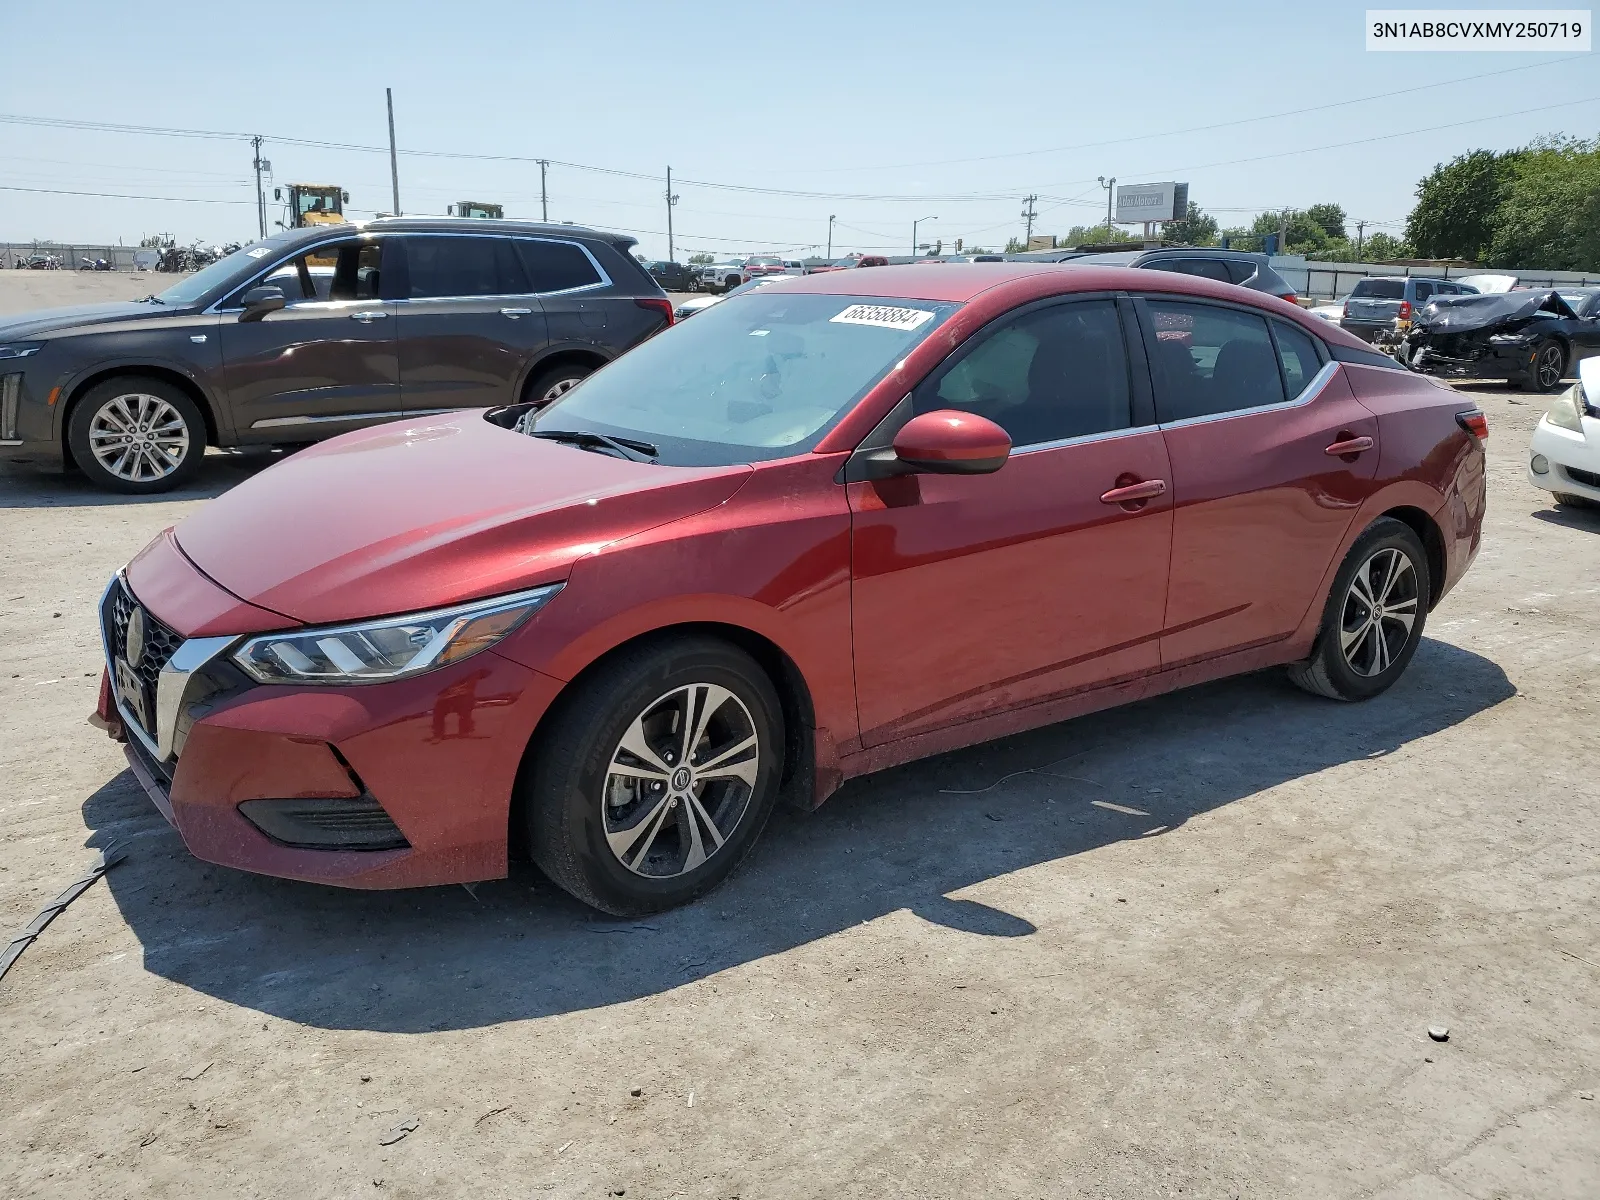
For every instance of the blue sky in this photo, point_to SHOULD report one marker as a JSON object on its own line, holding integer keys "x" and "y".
{"x": 867, "y": 99}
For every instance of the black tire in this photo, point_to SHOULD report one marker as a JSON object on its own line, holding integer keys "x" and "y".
{"x": 164, "y": 465}
{"x": 730, "y": 283}
{"x": 1364, "y": 668}
{"x": 1549, "y": 367}
{"x": 1568, "y": 500}
{"x": 553, "y": 382}
{"x": 564, "y": 798}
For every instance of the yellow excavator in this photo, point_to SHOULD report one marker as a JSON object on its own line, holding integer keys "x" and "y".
{"x": 313, "y": 203}
{"x": 477, "y": 208}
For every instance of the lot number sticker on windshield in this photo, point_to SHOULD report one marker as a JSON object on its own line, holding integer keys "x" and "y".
{"x": 883, "y": 316}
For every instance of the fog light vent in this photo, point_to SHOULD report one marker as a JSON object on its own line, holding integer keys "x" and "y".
{"x": 10, "y": 395}
{"x": 336, "y": 823}
{"x": 1540, "y": 464}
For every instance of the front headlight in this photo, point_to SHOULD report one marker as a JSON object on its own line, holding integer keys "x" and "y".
{"x": 389, "y": 647}
{"x": 1566, "y": 410}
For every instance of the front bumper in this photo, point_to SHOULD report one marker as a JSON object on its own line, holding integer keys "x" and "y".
{"x": 1477, "y": 362}
{"x": 1572, "y": 459}
{"x": 28, "y": 429}
{"x": 433, "y": 758}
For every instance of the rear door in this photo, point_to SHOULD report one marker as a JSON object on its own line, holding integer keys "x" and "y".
{"x": 468, "y": 323}
{"x": 582, "y": 309}
{"x": 326, "y": 362}
{"x": 1270, "y": 455}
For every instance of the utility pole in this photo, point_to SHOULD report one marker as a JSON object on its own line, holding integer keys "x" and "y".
{"x": 544, "y": 194}
{"x": 1110, "y": 186}
{"x": 1361, "y": 230}
{"x": 831, "y": 219}
{"x": 1028, "y": 215}
{"x": 671, "y": 200}
{"x": 394, "y": 161}
{"x": 261, "y": 196}
{"x": 1283, "y": 232}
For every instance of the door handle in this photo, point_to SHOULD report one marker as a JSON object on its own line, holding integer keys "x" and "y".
{"x": 1349, "y": 445}
{"x": 1132, "y": 493}
{"x": 514, "y": 313}
{"x": 368, "y": 315}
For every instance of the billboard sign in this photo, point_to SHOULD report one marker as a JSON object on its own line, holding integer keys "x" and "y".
{"x": 1042, "y": 241}
{"x": 1141, "y": 202}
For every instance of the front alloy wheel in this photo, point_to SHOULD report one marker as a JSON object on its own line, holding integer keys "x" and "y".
{"x": 136, "y": 435}
{"x": 652, "y": 779}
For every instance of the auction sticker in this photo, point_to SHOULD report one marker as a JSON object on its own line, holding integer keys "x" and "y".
{"x": 883, "y": 316}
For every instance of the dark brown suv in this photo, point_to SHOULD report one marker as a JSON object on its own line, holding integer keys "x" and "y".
{"x": 317, "y": 331}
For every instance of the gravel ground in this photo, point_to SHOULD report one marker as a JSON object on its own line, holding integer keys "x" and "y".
{"x": 1191, "y": 947}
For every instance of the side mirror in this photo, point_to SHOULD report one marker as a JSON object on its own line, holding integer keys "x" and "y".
{"x": 259, "y": 301}
{"x": 949, "y": 442}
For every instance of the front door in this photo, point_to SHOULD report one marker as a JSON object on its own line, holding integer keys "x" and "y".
{"x": 469, "y": 325}
{"x": 1250, "y": 409}
{"x": 977, "y": 594}
{"x": 324, "y": 363}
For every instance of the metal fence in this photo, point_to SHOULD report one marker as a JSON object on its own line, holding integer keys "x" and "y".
{"x": 17, "y": 254}
{"x": 1333, "y": 281}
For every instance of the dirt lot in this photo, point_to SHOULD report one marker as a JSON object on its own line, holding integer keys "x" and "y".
{"x": 1189, "y": 948}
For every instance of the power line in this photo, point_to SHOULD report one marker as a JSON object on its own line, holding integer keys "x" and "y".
{"x": 119, "y": 195}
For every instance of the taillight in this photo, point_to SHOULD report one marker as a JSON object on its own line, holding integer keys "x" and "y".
{"x": 1475, "y": 423}
{"x": 658, "y": 304}
{"x": 1291, "y": 298}
{"x": 1405, "y": 310}
{"x": 1344, "y": 313}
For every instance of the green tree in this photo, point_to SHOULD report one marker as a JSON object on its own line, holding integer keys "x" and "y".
{"x": 1549, "y": 210}
{"x": 1457, "y": 202}
{"x": 1331, "y": 218}
{"x": 1093, "y": 235}
{"x": 1195, "y": 228}
{"x": 1305, "y": 236}
{"x": 701, "y": 259}
{"x": 1383, "y": 246}
{"x": 1015, "y": 246}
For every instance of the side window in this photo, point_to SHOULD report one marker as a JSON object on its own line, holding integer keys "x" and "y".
{"x": 1054, "y": 373}
{"x": 1424, "y": 292}
{"x": 1209, "y": 360}
{"x": 440, "y": 267}
{"x": 555, "y": 266}
{"x": 346, "y": 271}
{"x": 1240, "y": 269}
{"x": 1298, "y": 354}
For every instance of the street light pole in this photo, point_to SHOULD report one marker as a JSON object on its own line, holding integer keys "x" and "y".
{"x": 1110, "y": 186}
{"x": 394, "y": 162}
{"x": 914, "y": 225}
{"x": 831, "y": 219}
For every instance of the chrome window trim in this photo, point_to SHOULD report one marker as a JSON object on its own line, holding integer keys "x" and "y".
{"x": 1082, "y": 439}
{"x": 604, "y": 282}
{"x": 396, "y": 415}
{"x": 1310, "y": 392}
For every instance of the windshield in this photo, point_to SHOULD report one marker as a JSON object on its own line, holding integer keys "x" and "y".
{"x": 1576, "y": 300}
{"x": 221, "y": 274}
{"x": 757, "y": 377}
{"x": 1379, "y": 289}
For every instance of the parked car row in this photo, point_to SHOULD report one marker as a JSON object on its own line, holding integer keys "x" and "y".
{"x": 317, "y": 331}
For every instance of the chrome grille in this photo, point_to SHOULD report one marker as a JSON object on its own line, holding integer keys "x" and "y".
{"x": 160, "y": 641}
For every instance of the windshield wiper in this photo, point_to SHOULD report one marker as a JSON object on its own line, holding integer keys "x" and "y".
{"x": 628, "y": 448}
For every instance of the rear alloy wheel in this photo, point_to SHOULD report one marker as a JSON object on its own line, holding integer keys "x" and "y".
{"x": 136, "y": 435}
{"x": 549, "y": 386}
{"x": 653, "y": 781}
{"x": 1374, "y": 617}
{"x": 1548, "y": 366}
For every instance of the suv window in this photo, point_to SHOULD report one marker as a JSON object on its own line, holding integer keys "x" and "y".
{"x": 1424, "y": 292}
{"x": 557, "y": 266}
{"x": 1206, "y": 268}
{"x": 347, "y": 271}
{"x": 1057, "y": 372}
{"x": 444, "y": 266}
{"x": 1209, "y": 360}
{"x": 1240, "y": 269}
{"x": 1379, "y": 289}
{"x": 1297, "y": 351}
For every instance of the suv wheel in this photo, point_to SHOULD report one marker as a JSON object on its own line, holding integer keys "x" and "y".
{"x": 136, "y": 435}
{"x": 1374, "y": 616}
{"x": 653, "y": 781}
{"x": 551, "y": 385}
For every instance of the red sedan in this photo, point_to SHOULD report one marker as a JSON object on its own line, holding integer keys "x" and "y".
{"x": 805, "y": 536}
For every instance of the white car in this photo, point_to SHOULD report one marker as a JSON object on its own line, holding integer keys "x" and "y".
{"x": 723, "y": 276}
{"x": 1564, "y": 457}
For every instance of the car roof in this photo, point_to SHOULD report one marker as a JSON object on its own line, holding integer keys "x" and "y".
{"x": 476, "y": 225}
{"x": 959, "y": 283}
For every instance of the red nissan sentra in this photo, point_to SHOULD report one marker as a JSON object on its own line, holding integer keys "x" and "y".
{"x": 839, "y": 523}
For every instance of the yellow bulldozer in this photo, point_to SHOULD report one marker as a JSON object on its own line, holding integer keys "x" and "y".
{"x": 313, "y": 203}
{"x": 477, "y": 208}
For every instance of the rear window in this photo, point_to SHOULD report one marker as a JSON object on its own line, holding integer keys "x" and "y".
{"x": 556, "y": 266}
{"x": 1380, "y": 289}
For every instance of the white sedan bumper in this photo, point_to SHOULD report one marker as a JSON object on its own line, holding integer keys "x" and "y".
{"x": 1564, "y": 460}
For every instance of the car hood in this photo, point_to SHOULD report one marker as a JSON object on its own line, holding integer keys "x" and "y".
{"x": 417, "y": 515}
{"x": 1503, "y": 312}
{"x": 51, "y": 320}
